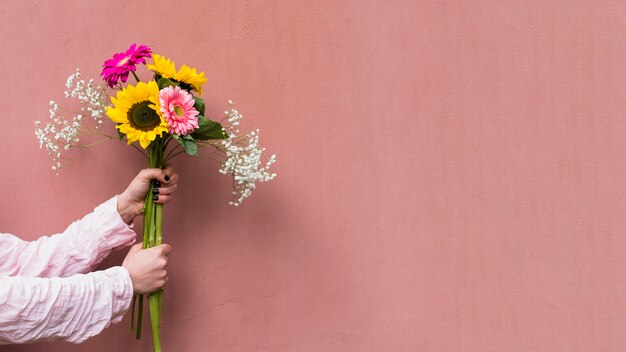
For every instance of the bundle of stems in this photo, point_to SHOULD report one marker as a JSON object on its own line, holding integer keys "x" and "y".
{"x": 152, "y": 236}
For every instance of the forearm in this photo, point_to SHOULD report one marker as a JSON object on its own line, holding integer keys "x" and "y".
{"x": 71, "y": 309}
{"x": 79, "y": 249}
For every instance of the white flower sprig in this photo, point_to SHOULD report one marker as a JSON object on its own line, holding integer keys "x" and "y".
{"x": 63, "y": 131}
{"x": 244, "y": 158}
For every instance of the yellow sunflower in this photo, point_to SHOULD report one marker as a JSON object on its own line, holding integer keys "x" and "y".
{"x": 137, "y": 114}
{"x": 162, "y": 66}
{"x": 186, "y": 75}
{"x": 189, "y": 76}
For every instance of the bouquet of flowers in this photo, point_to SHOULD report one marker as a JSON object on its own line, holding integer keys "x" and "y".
{"x": 165, "y": 116}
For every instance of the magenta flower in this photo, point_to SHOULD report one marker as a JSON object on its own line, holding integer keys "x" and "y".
{"x": 177, "y": 109}
{"x": 123, "y": 63}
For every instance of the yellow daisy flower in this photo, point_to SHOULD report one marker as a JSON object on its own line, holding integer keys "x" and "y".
{"x": 137, "y": 114}
{"x": 188, "y": 77}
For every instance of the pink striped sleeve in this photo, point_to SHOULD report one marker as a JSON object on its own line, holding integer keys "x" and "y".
{"x": 72, "y": 309}
{"x": 79, "y": 249}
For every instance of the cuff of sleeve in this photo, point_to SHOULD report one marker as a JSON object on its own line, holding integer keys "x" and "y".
{"x": 122, "y": 292}
{"x": 113, "y": 224}
{"x": 115, "y": 232}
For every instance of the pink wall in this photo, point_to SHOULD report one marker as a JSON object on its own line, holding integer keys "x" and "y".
{"x": 451, "y": 173}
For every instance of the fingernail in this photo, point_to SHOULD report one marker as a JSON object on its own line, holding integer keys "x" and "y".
{"x": 157, "y": 183}
{"x": 155, "y": 191}
{"x": 167, "y": 178}
{"x": 155, "y": 197}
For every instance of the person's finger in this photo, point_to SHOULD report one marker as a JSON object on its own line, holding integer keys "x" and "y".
{"x": 169, "y": 173}
{"x": 162, "y": 199}
{"x": 169, "y": 170}
{"x": 155, "y": 174}
{"x": 161, "y": 252}
{"x": 161, "y": 263}
{"x": 165, "y": 190}
{"x": 173, "y": 179}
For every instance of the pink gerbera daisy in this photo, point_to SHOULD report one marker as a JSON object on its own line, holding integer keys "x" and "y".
{"x": 123, "y": 63}
{"x": 178, "y": 111}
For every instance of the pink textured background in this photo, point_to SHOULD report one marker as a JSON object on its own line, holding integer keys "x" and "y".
{"x": 452, "y": 174}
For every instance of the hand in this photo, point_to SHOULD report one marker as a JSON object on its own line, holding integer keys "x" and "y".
{"x": 147, "y": 267}
{"x": 131, "y": 201}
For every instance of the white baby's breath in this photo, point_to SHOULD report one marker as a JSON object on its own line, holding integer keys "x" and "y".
{"x": 244, "y": 158}
{"x": 62, "y": 132}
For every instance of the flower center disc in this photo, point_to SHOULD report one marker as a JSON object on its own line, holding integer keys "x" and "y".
{"x": 142, "y": 117}
{"x": 123, "y": 61}
{"x": 178, "y": 110}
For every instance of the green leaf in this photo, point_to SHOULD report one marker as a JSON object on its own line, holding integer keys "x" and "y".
{"x": 120, "y": 134}
{"x": 208, "y": 129}
{"x": 164, "y": 82}
{"x": 188, "y": 143}
{"x": 199, "y": 105}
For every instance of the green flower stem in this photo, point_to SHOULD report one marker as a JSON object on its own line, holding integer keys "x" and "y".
{"x": 132, "y": 313}
{"x": 155, "y": 316}
{"x": 159, "y": 239}
{"x": 136, "y": 78}
{"x": 139, "y": 316}
{"x": 147, "y": 217}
